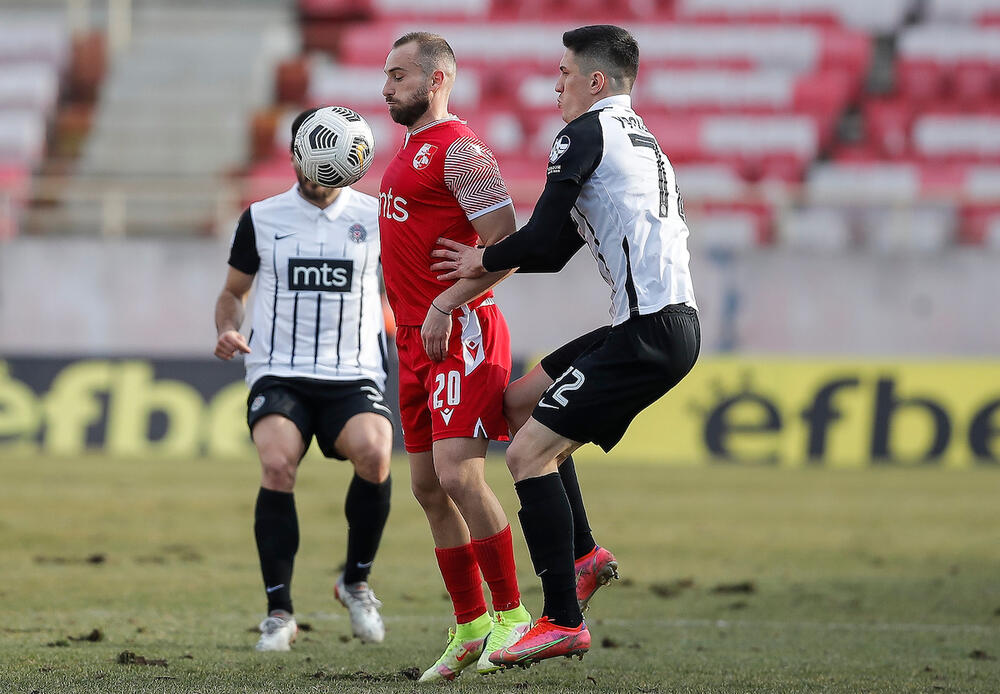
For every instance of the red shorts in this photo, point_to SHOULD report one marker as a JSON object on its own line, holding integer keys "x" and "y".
{"x": 462, "y": 396}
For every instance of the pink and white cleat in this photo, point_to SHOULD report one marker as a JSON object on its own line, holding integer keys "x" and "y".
{"x": 595, "y": 569}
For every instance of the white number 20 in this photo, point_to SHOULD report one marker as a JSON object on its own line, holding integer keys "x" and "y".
{"x": 454, "y": 390}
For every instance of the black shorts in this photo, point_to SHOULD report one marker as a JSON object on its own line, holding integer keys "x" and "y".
{"x": 605, "y": 378}
{"x": 319, "y": 408}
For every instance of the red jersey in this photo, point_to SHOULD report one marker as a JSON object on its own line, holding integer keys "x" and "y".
{"x": 441, "y": 178}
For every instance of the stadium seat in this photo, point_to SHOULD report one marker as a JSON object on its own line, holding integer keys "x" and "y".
{"x": 883, "y": 16}
{"x": 958, "y": 137}
{"x": 920, "y": 81}
{"x": 830, "y": 183}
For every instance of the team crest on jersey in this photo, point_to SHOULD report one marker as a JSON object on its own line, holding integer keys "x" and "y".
{"x": 358, "y": 233}
{"x": 422, "y": 158}
{"x": 559, "y": 148}
{"x": 258, "y": 402}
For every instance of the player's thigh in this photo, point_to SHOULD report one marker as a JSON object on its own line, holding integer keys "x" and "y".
{"x": 522, "y": 395}
{"x": 279, "y": 443}
{"x": 414, "y": 367}
{"x": 537, "y": 450}
{"x": 337, "y": 403}
{"x": 280, "y": 421}
{"x": 366, "y": 440}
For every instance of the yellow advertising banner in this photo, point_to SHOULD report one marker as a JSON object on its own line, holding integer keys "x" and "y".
{"x": 763, "y": 411}
{"x": 834, "y": 413}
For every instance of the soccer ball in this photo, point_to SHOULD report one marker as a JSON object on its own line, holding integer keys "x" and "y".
{"x": 334, "y": 147}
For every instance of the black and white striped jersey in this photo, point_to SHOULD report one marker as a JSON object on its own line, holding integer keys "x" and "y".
{"x": 316, "y": 312}
{"x": 629, "y": 210}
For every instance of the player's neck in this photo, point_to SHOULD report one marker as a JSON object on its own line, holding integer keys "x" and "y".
{"x": 322, "y": 201}
{"x": 431, "y": 115}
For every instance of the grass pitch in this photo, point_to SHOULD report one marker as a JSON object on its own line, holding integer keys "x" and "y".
{"x": 734, "y": 580}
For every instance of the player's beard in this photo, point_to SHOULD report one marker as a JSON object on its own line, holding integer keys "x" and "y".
{"x": 408, "y": 113}
{"x": 314, "y": 192}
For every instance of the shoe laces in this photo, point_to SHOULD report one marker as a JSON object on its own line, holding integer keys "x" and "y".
{"x": 272, "y": 624}
{"x": 363, "y": 595}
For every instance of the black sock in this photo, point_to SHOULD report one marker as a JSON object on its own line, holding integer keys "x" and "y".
{"x": 276, "y": 527}
{"x": 367, "y": 509}
{"x": 547, "y": 522}
{"x": 583, "y": 539}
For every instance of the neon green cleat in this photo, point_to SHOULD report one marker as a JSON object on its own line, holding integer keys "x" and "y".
{"x": 508, "y": 628}
{"x": 465, "y": 645}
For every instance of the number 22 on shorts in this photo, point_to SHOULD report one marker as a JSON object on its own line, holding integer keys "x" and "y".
{"x": 555, "y": 396}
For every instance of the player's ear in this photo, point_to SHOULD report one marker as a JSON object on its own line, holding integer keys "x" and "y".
{"x": 437, "y": 79}
{"x": 597, "y": 82}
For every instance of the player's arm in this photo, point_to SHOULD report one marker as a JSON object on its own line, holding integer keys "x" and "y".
{"x": 230, "y": 306}
{"x": 544, "y": 244}
{"x": 491, "y": 228}
{"x": 472, "y": 175}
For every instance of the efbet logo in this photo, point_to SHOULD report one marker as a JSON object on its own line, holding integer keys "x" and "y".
{"x": 794, "y": 413}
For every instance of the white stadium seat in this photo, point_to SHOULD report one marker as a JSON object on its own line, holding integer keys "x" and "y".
{"x": 361, "y": 87}
{"x": 717, "y": 88}
{"x": 469, "y": 9}
{"x": 713, "y": 181}
{"x": 948, "y": 44}
{"x": 758, "y": 135}
{"x": 983, "y": 183}
{"x": 28, "y": 85}
{"x": 960, "y": 10}
{"x": 22, "y": 136}
{"x": 957, "y": 135}
{"x": 877, "y": 15}
{"x": 33, "y": 40}
{"x": 842, "y": 183}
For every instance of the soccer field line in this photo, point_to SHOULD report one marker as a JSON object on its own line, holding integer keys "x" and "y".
{"x": 731, "y": 623}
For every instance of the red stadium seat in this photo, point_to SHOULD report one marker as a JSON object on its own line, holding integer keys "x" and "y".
{"x": 974, "y": 84}
{"x": 920, "y": 81}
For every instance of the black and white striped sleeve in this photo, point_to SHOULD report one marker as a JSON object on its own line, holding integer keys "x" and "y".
{"x": 243, "y": 253}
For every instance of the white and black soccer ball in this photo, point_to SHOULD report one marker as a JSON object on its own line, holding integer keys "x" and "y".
{"x": 334, "y": 147}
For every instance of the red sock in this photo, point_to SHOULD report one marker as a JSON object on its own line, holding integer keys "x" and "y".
{"x": 496, "y": 559}
{"x": 463, "y": 581}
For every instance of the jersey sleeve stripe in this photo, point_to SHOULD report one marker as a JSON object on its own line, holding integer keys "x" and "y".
{"x": 491, "y": 208}
{"x": 472, "y": 175}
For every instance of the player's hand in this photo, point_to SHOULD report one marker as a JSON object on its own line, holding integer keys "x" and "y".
{"x": 230, "y": 343}
{"x": 435, "y": 333}
{"x": 458, "y": 261}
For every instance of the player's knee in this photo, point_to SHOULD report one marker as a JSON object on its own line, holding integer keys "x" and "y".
{"x": 519, "y": 460}
{"x": 458, "y": 483}
{"x": 429, "y": 495}
{"x": 277, "y": 470}
{"x": 371, "y": 458}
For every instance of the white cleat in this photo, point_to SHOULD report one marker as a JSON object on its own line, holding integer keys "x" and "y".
{"x": 277, "y": 632}
{"x": 363, "y": 606}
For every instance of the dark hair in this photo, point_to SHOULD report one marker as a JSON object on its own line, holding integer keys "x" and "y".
{"x": 608, "y": 49}
{"x": 433, "y": 51}
{"x": 297, "y": 123}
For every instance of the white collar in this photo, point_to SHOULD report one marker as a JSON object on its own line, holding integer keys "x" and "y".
{"x": 331, "y": 211}
{"x": 446, "y": 119}
{"x": 623, "y": 100}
